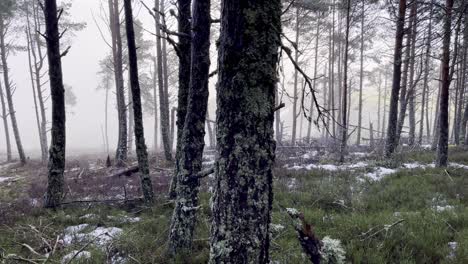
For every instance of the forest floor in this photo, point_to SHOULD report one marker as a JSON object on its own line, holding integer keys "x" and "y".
{"x": 401, "y": 210}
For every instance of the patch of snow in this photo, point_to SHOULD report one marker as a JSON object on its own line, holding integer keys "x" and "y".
{"x": 439, "y": 208}
{"x": 125, "y": 219}
{"x": 458, "y": 166}
{"x": 292, "y": 184}
{"x": 332, "y": 251}
{"x": 360, "y": 154}
{"x": 453, "y": 249}
{"x": 76, "y": 255}
{"x": 414, "y": 165}
{"x": 7, "y": 179}
{"x": 358, "y": 165}
{"x": 276, "y": 227}
{"x": 309, "y": 154}
{"x": 427, "y": 146}
{"x": 88, "y": 216}
{"x": 104, "y": 235}
{"x": 292, "y": 211}
{"x": 379, "y": 173}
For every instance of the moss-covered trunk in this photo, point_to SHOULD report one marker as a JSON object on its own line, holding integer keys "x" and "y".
{"x": 141, "y": 150}
{"x": 183, "y": 20}
{"x": 248, "y": 57}
{"x": 193, "y": 135}
{"x": 57, "y": 148}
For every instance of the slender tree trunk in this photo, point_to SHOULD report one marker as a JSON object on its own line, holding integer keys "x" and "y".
{"x": 344, "y": 105}
{"x": 55, "y": 183}
{"x": 427, "y": 62}
{"x": 155, "y": 105}
{"x": 405, "y": 85}
{"x": 172, "y": 131}
{"x": 461, "y": 121}
{"x": 36, "y": 111}
{"x": 278, "y": 134}
{"x": 379, "y": 107}
{"x": 435, "y": 130}
{"x": 209, "y": 127}
{"x": 142, "y": 154}
{"x": 30, "y": 47}
{"x": 296, "y": 82}
{"x": 8, "y": 92}
{"x": 332, "y": 73}
{"x": 114, "y": 16}
{"x": 38, "y": 60}
{"x": 397, "y": 61}
{"x": 412, "y": 82}
{"x": 106, "y": 117}
{"x": 131, "y": 120}
{"x": 384, "y": 119}
{"x": 246, "y": 148}
{"x": 183, "y": 20}
{"x": 361, "y": 75}
{"x": 317, "y": 33}
{"x": 163, "y": 103}
{"x": 193, "y": 136}
{"x": 442, "y": 146}
{"x": 5, "y": 124}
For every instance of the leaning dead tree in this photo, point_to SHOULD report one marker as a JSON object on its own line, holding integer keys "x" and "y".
{"x": 55, "y": 182}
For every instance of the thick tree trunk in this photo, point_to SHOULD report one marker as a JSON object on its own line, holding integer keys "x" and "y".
{"x": 163, "y": 103}
{"x": 142, "y": 154}
{"x": 344, "y": 105}
{"x": 193, "y": 136}
{"x": 8, "y": 92}
{"x": 114, "y": 16}
{"x": 55, "y": 183}
{"x": 248, "y": 58}
{"x": 397, "y": 61}
{"x": 442, "y": 146}
{"x": 183, "y": 20}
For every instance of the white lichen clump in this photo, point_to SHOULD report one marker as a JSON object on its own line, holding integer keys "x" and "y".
{"x": 332, "y": 251}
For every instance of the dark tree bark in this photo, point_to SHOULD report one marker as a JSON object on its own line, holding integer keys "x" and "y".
{"x": 344, "y": 105}
{"x": 184, "y": 46}
{"x": 397, "y": 61}
{"x": 248, "y": 58}
{"x": 405, "y": 84}
{"x": 142, "y": 154}
{"x": 8, "y": 91}
{"x": 114, "y": 17}
{"x": 54, "y": 192}
{"x": 163, "y": 102}
{"x": 193, "y": 136}
{"x": 462, "y": 120}
{"x": 442, "y": 146}
{"x": 131, "y": 120}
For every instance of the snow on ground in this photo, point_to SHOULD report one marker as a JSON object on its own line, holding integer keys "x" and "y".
{"x": 100, "y": 236}
{"x": 376, "y": 174}
{"x": 76, "y": 255}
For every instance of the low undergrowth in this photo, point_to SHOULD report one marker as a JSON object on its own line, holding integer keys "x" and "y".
{"x": 411, "y": 216}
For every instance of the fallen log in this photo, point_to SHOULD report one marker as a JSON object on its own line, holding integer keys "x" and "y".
{"x": 127, "y": 171}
